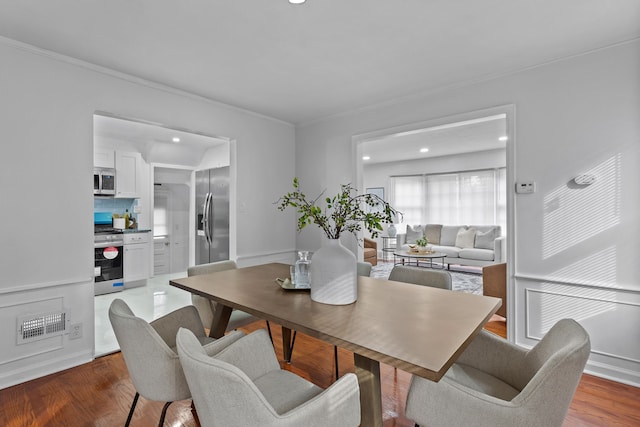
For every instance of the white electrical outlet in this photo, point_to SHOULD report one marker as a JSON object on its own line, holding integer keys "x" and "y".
{"x": 526, "y": 187}
{"x": 75, "y": 331}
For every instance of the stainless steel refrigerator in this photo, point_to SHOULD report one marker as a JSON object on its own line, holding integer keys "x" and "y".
{"x": 212, "y": 215}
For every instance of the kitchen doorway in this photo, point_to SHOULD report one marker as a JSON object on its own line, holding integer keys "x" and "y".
{"x": 167, "y": 156}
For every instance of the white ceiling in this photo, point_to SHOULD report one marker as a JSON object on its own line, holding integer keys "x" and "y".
{"x": 154, "y": 141}
{"x": 481, "y": 134}
{"x": 300, "y": 63}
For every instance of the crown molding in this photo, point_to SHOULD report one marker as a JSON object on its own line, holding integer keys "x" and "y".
{"x": 129, "y": 77}
{"x": 457, "y": 85}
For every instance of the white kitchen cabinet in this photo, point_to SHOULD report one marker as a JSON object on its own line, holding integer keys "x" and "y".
{"x": 136, "y": 259}
{"x": 161, "y": 255}
{"x": 104, "y": 158}
{"x": 128, "y": 174}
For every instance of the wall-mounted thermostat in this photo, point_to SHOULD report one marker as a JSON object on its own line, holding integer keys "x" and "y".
{"x": 525, "y": 187}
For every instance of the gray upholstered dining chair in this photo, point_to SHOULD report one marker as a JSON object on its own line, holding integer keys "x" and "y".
{"x": 363, "y": 269}
{"x": 206, "y": 306}
{"x": 421, "y": 276}
{"x": 149, "y": 352}
{"x": 498, "y": 384}
{"x": 243, "y": 385}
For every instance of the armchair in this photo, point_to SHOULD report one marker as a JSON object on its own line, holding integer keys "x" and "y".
{"x": 149, "y": 352}
{"x": 497, "y": 384}
{"x": 206, "y": 307}
{"x": 494, "y": 284}
{"x": 243, "y": 385}
{"x": 370, "y": 251}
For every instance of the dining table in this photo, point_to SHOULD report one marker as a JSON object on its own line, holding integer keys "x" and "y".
{"x": 418, "y": 329}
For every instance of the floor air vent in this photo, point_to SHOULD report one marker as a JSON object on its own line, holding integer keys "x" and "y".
{"x": 35, "y": 327}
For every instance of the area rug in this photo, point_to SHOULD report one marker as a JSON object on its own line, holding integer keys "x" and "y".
{"x": 461, "y": 281}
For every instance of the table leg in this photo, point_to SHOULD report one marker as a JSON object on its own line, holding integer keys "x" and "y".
{"x": 286, "y": 344}
{"x": 368, "y": 372}
{"x": 221, "y": 316}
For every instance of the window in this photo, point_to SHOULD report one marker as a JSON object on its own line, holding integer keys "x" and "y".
{"x": 407, "y": 197}
{"x": 464, "y": 198}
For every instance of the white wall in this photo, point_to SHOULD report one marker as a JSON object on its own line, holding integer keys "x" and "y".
{"x": 47, "y": 201}
{"x": 577, "y": 248}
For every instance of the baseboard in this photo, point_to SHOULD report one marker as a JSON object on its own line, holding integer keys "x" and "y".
{"x": 613, "y": 373}
{"x": 51, "y": 366}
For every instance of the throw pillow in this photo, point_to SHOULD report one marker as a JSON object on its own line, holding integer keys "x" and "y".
{"x": 449, "y": 233}
{"x": 486, "y": 240}
{"x": 414, "y": 233}
{"x": 432, "y": 233}
{"x": 466, "y": 238}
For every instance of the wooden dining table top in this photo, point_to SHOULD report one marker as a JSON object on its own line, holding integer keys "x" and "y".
{"x": 418, "y": 329}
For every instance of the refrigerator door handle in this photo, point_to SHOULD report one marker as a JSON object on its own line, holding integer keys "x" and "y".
{"x": 211, "y": 228}
{"x": 205, "y": 218}
{"x": 210, "y": 218}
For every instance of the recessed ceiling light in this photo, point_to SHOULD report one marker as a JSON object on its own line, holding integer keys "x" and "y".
{"x": 424, "y": 150}
{"x": 296, "y": 1}
{"x": 175, "y": 139}
{"x": 503, "y": 138}
{"x": 366, "y": 158}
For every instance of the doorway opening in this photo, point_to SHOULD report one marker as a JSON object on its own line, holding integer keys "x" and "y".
{"x": 464, "y": 149}
{"x": 161, "y": 164}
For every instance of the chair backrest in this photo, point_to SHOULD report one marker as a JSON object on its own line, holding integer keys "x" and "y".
{"x": 222, "y": 393}
{"x": 153, "y": 366}
{"x": 553, "y": 368}
{"x": 364, "y": 268}
{"x": 205, "y": 306}
{"x": 421, "y": 276}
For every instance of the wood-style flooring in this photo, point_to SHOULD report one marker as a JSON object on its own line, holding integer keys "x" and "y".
{"x": 100, "y": 393}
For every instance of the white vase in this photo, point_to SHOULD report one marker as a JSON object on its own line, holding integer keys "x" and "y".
{"x": 334, "y": 278}
{"x": 391, "y": 231}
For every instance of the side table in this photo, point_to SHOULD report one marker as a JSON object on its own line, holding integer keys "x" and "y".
{"x": 388, "y": 245}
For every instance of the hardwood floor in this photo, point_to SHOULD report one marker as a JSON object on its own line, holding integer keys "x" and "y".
{"x": 100, "y": 393}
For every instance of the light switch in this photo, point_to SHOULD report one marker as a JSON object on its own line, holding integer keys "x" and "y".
{"x": 527, "y": 187}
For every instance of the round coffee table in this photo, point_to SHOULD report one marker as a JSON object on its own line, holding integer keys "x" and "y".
{"x": 404, "y": 254}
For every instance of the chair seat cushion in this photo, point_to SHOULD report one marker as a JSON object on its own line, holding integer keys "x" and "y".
{"x": 285, "y": 390}
{"x": 478, "y": 380}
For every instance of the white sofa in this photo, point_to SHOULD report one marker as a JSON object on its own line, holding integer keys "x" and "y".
{"x": 475, "y": 245}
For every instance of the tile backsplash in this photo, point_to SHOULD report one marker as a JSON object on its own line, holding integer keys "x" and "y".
{"x": 113, "y": 205}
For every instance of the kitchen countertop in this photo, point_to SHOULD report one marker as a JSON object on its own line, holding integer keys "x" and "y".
{"x": 136, "y": 230}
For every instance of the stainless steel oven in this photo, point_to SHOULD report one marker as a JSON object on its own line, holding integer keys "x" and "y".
{"x": 109, "y": 265}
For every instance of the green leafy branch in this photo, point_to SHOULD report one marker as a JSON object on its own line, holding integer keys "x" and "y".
{"x": 343, "y": 212}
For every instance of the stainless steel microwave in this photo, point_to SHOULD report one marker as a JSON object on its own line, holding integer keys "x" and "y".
{"x": 104, "y": 182}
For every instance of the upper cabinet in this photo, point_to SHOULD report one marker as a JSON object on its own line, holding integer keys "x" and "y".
{"x": 103, "y": 158}
{"x": 128, "y": 174}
